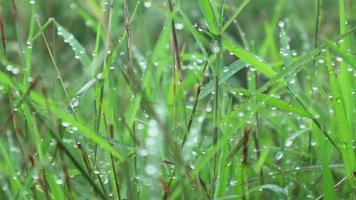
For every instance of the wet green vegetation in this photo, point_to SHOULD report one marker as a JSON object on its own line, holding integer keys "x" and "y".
{"x": 177, "y": 99}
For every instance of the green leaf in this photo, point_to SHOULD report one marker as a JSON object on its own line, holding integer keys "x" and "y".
{"x": 236, "y": 14}
{"x": 65, "y": 116}
{"x": 209, "y": 15}
{"x": 341, "y": 52}
{"x": 343, "y": 130}
{"x": 282, "y": 193}
{"x": 78, "y": 49}
{"x": 226, "y": 73}
{"x": 278, "y": 103}
{"x": 249, "y": 58}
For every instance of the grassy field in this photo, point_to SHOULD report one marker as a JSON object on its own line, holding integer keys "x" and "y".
{"x": 177, "y": 99}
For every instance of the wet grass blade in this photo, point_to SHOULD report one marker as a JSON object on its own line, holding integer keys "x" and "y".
{"x": 249, "y": 58}
{"x": 278, "y": 103}
{"x": 210, "y": 16}
{"x": 225, "y": 74}
{"x": 342, "y": 128}
{"x": 79, "y": 50}
{"x": 236, "y": 14}
{"x": 347, "y": 57}
{"x": 40, "y": 101}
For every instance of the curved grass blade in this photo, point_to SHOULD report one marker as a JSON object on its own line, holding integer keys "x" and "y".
{"x": 291, "y": 70}
{"x": 78, "y": 49}
{"x": 7, "y": 167}
{"x": 345, "y": 77}
{"x": 226, "y": 73}
{"x": 73, "y": 159}
{"x": 40, "y": 101}
{"x": 278, "y": 103}
{"x": 233, "y": 18}
{"x": 342, "y": 52}
{"x": 209, "y": 15}
{"x": 74, "y": 102}
{"x": 343, "y": 129}
{"x": 249, "y": 58}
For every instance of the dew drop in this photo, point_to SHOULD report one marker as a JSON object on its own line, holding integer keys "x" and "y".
{"x": 65, "y": 124}
{"x": 339, "y": 59}
{"x": 151, "y": 170}
{"x": 147, "y": 4}
{"x": 281, "y": 24}
{"x": 59, "y": 181}
{"x": 216, "y": 49}
{"x": 74, "y": 102}
{"x": 178, "y": 26}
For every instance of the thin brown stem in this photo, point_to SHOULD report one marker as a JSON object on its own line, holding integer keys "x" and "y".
{"x": 196, "y": 100}
{"x": 129, "y": 42}
{"x": 175, "y": 45}
{"x": 110, "y": 140}
{"x": 3, "y": 37}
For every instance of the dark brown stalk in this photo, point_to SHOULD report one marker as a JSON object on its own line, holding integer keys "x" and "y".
{"x": 169, "y": 183}
{"x": 246, "y": 138}
{"x": 110, "y": 139}
{"x": 175, "y": 45}
{"x": 64, "y": 165}
{"x": 16, "y": 129}
{"x": 242, "y": 143}
{"x": 176, "y": 69}
{"x": 31, "y": 87}
{"x": 216, "y": 104}
{"x": 165, "y": 187}
{"x": 196, "y": 100}
{"x": 41, "y": 179}
{"x": 14, "y": 10}
{"x": 129, "y": 43}
{"x": 85, "y": 157}
{"x": 201, "y": 182}
{"x": 66, "y": 176}
{"x": 2, "y": 31}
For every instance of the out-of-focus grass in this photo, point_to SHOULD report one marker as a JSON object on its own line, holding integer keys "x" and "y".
{"x": 208, "y": 99}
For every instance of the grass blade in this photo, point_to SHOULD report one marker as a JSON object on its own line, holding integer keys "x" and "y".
{"x": 225, "y": 74}
{"x": 78, "y": 49}
{"x": 249, "y": 58}
{"x": 209, "y": 14}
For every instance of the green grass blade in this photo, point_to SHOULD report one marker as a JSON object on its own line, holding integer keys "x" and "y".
{"x": 343, "y": 128}
{"x": 65, "y": 116}
{"x": 277, "y": 103}
{"x": 79, "y": 50}
{"x": 249, "y": 58}
{"x": 209, "y": 14}
{"x": 345, "y": 76}
{"x": 347, "y": 57}
{"x": 236, "y": 14}
{"x": 225, "y": 74}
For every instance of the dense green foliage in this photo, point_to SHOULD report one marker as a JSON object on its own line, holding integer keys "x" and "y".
{"x": 177, "y": 99}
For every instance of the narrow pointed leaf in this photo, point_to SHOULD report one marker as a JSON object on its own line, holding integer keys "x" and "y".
{"x": 249, "y": 58}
